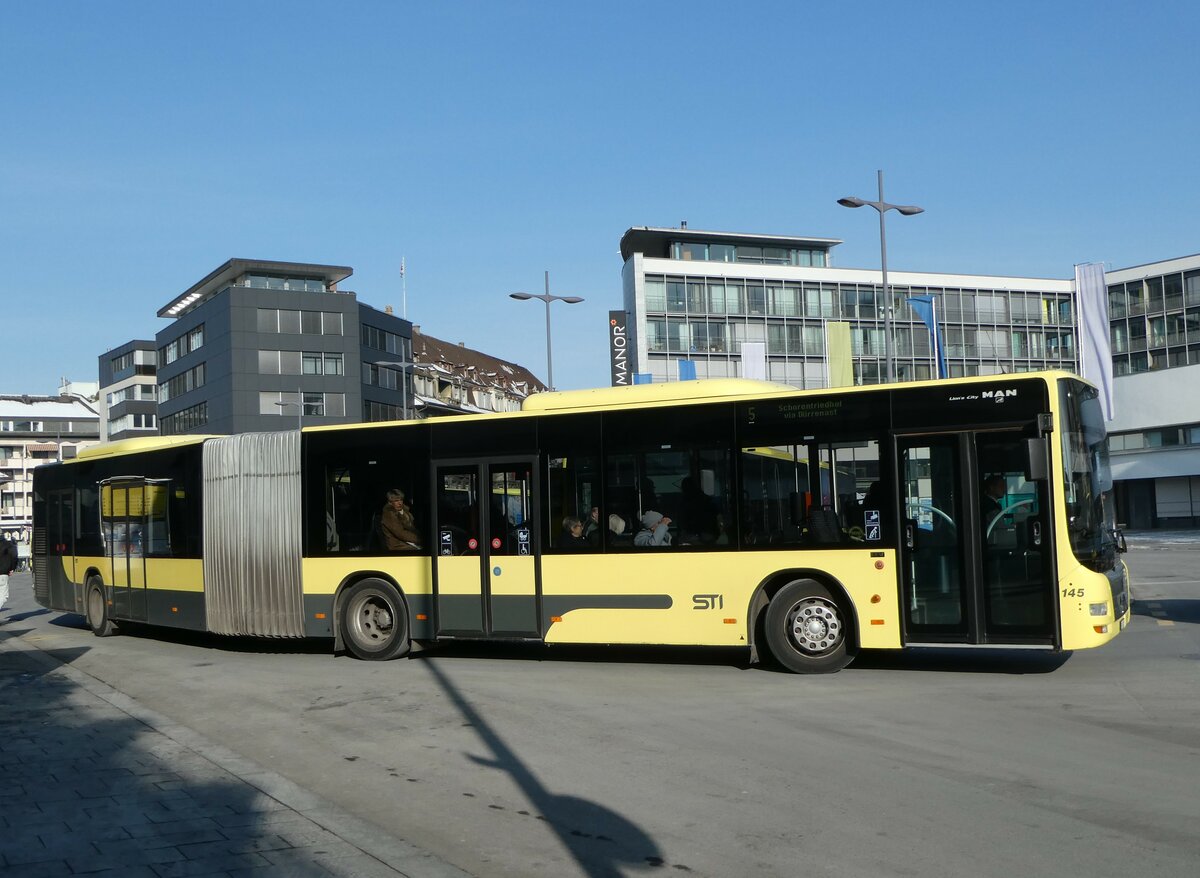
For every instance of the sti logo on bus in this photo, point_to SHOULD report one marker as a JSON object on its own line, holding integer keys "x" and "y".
{"x": 708, "y": 601}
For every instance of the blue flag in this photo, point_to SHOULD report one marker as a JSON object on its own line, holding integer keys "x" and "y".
{"x": 687, "y": 370}
{"x": 923, "y": 307}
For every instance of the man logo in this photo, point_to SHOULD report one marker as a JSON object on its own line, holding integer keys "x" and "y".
{"x": 997, "y": 395}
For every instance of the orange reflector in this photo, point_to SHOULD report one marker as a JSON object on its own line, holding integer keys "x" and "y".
{"x": 875, "y": 598}
{"x": 318, "y": 615}
{"x": 878, "y": 565}
{"x": 556, "y": 618}
{"x": 731, "y": 621}
{"x": 421, "y": 617}
{"x": 1101, "y": 629}
{"x": 174, "y": 609}
{"x": 878, "y": 622}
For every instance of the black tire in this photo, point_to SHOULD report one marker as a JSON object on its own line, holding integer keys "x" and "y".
{"x": 373, "y": 620}
{"x": 95, "y": 605}
{"x": 807, "y": 630}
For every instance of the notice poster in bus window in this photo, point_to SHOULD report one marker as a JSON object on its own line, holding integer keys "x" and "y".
{"x": 446, "y": 541}
{"x": 523, "y": 541}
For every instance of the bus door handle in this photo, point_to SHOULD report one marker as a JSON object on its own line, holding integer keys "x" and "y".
{"x": 1037, "y": 533}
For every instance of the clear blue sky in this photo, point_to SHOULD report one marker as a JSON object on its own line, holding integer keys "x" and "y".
{"x": 145, "y": 143}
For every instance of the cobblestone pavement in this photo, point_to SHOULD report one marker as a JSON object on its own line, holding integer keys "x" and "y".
{"x": 92, "y": 783}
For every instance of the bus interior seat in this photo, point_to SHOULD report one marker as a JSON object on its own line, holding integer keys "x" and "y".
{"x": 824, "y": 527}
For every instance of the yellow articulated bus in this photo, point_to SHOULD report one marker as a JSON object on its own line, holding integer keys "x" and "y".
{"x": 803, "y": 526}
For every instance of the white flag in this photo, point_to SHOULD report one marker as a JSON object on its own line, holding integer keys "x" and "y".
{"x": 1095, "y": 360}
{"x": 754, "y": 359}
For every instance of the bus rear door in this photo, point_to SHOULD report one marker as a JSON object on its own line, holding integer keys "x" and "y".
{"x": 487, "y": 577}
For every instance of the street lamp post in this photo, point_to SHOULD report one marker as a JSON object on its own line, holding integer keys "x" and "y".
{"x": 403, "y": 366}
{"x": 883, "y": 207}
{"x": 299, "y": 410}
{"x": 547, "y": 298}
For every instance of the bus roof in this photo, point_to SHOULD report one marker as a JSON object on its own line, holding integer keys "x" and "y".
{"x": 672, "y": 391}
{"x": 140, "y": 443}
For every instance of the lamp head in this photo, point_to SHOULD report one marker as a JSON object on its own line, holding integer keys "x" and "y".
{"x": 572, "y": 300}
{"x": 909, "y": 209}
{"x": 520, "y": 296}
{"x": 851, "y": 201}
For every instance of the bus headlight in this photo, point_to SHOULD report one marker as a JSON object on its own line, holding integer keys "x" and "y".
{"x": 1099, "y": 609}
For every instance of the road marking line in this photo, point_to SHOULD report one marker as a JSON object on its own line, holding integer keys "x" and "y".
{"x": 1165, "y": 623}
{"x": 1171, "y": 582}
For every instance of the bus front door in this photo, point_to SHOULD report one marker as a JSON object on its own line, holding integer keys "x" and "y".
{"x": 487, "y": 566}
{"x": 978, "y": 555}
{"x": 123, "y": 520}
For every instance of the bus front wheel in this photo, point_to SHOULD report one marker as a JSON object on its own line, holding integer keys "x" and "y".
{"x": 374, "y": 621}
{"x": 806, "y": 629}
{"x": 97, "y": 609}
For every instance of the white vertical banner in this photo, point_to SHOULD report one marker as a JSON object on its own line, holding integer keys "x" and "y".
{"x": 754, "y": 360}
{"x": 1095, "y": 352}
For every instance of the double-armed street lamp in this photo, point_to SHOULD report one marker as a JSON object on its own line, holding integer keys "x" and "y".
{"x": 299, "y": 410}
{"x": 403, "y": 366}
{"x": 883, "y": 207}
{"x": 547, "y": 298}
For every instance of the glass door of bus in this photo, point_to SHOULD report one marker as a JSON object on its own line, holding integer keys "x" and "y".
{"x": 978, "y": 555}
{"x": 487, "y": 566}
{"x": 60, "y": 521}
{"x": 123, "y": 521}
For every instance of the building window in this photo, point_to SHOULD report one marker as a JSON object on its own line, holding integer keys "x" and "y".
{"x": 316, "y": 404}
{"x": 190, "y": 341}
{"x": 182, "y": 383}
{"x": 183, "y": 421}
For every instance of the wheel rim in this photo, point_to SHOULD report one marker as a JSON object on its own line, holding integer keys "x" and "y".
{"x": 372, "y": 621}
{"x": 95, "y": 608}
{"x": 814, "y": 626}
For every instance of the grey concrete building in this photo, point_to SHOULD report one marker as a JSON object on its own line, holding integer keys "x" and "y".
{"x": 128, "y": 398}
{"x": 259, "y": 345}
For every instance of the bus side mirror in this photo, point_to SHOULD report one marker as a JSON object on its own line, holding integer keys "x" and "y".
{"x": 1037, "y": 466}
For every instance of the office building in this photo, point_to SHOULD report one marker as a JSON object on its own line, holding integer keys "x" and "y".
{"x": 35, "y": 430}
{"x": 128, "y": 394}
{"x": 258, "y": 345}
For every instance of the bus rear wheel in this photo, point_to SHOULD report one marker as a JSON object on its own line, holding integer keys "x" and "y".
{"x": 374, "y": 621}
{"x": 96, "y": 607}
{"x": 806, "y": 629}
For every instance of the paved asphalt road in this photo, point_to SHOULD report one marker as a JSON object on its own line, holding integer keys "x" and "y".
{"x": 598, "y": 762}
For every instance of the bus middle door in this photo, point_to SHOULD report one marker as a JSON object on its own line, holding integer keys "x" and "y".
{"x": 123, "y": 520}
{"x": 487, "y": 563}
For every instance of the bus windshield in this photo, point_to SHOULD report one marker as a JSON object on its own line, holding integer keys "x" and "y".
{"x": 1087, "y": 478}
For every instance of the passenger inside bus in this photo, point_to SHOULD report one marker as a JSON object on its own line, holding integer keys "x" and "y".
{"x": 655, "y": 530}
{"x": 572, "y": 538}
{"x": 397, "y": 524}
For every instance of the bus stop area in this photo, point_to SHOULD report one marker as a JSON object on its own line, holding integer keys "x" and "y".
{"x": 93, "y": 782}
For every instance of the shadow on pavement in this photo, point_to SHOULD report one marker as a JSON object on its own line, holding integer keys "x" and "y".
{"x": 597, "y": 838}
{"x": 89, "y": 788}
{"x": 591, "y": 654}
{"x": 1172, "y": 610}
{"x": 960, "y": 661}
